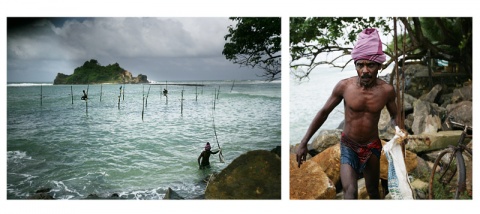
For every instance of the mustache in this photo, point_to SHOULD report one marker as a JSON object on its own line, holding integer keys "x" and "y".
{"x": 366, "y": 76}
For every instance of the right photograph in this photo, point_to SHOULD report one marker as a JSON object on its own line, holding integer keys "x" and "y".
{"x": 380, "y": 108}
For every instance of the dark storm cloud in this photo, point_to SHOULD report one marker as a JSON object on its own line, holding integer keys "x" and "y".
{"x": 161, "y": 48}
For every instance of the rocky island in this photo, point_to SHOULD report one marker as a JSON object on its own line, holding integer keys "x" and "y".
{"x": 91, "y": 72}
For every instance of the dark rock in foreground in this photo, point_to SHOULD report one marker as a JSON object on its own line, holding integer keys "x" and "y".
{"x": 172, "y": 195}
{"x": 253, "y": 175}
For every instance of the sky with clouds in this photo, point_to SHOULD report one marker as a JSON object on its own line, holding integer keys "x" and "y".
{"x": 159, "y": 47}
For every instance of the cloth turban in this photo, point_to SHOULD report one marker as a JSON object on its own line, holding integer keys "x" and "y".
{"x": 368, "y": 47}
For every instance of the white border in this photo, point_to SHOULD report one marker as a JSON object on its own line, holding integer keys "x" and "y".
{"x": 211, "y": 8}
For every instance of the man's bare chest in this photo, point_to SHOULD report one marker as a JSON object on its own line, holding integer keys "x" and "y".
{"x": 371, "y": 101}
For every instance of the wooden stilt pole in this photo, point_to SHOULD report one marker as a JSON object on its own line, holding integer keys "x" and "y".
{"x": 86, "y": 101}
{"x": 181, "y": 106}
{"x": 399, "y": 119}
{"x": 41, "y": 94}
{"x": 119, "y": 95}
{"x": 146, "y": 99}
{"x": 214, "y": 99}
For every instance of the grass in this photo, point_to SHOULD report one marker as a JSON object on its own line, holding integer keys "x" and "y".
{"x": 447, "y": 191}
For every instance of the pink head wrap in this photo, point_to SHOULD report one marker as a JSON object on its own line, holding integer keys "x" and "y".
{"x": 368, "y": 47}
{"x": 207, "y": 147}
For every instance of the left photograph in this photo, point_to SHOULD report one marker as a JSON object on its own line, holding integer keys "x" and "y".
{"x": 149, "y": 108}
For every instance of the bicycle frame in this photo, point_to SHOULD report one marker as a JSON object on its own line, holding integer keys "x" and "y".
{"x": 455, "y": 152}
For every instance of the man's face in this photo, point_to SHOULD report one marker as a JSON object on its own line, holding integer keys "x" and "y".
{"x": 367, "y": 71}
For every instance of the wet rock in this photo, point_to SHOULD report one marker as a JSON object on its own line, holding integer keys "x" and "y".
{"x": 172, "y": 195}
{"x": 41, "y": 196}
{"x": 45, "y": 189}
{"x": 253, "y": 175}
{"x": 277, "y": 150}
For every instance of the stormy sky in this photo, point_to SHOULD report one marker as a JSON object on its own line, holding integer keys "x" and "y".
{"x": 159, "y": 47}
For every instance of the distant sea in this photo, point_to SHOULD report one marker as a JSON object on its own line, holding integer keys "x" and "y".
{"x": 104, "y": 146}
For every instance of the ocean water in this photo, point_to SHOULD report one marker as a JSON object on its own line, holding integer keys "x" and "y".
{"x": 102, "y": 147}
{"x": 308, "y": 96}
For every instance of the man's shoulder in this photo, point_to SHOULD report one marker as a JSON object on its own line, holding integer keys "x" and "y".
{"x": 384, "y": 84}
{"x": 347, "y": 81}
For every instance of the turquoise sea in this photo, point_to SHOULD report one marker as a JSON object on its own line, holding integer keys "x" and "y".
{"x": 104, "y": 146}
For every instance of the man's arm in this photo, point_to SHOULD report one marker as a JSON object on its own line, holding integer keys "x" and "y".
{"x": 200, "y": 157}
{"x": 215, "y": 152}
{"x": 322, "y": 115}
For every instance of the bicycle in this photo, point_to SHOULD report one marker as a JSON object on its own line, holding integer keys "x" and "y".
{"x": 447, "y": 169}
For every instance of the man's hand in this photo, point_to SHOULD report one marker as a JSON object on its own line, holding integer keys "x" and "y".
{"x": 400, "y": 134}
{"x": 301, "y": 154}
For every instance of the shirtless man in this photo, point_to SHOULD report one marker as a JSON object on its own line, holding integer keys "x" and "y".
{"x": 204, "y": 158}
{"x": 84, "y": 97}
{"x": 364, "y": 98}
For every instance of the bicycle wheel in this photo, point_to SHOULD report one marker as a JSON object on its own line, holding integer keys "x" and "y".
{"x": 461, "y": 181}
{"x": 440, "y": 184}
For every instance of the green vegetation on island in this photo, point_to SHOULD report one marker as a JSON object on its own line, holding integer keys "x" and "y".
{"x": 91, "y": 72}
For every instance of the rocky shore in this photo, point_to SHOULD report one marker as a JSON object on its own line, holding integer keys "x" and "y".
{"x": 426, "y": 114}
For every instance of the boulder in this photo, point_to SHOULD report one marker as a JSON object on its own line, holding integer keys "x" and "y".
{"x": 253, "y": 175}
{"x": 433, "y": 141}
{"x": 277, "y": 150}
{"x": 329, "y": 160}
{"x": 460, "y": 112}
{"x": 408, "y": 101}
{"x": 432, "y": 96}
{"x": 462, "y": 94}
{"x": 41, "y": 196}
{"x": 385, "y": 129}
{"x": 172, "y": 195}
{"x": 426, "y": 117}
{"x": 311, "y": 152}
{"x": 325, "y": 139}
{"x": 309, "y": 181}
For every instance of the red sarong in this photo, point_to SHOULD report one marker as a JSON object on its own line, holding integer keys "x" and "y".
{"x": 364, "y": 151}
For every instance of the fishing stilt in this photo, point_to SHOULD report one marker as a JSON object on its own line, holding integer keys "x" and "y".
{"x": 181, "y": 106}
{"x": 220, "y": 155}
{"x": 146, "y": 99}
{"x": 41, "y": 95}
{"x": 119, "y": 95}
